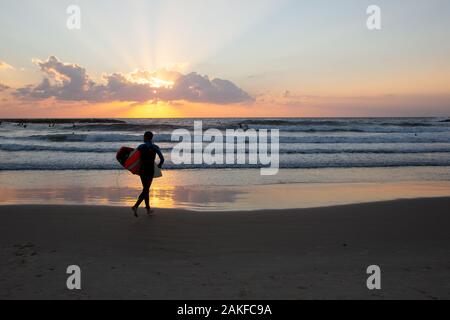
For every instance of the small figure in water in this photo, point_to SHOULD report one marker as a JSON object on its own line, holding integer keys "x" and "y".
{"x": 148, "y": 155}
{"x": 243, "y": 126}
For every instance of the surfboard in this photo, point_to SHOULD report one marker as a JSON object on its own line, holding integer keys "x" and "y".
{"x": 158, "y": 172}
{"x": 130, "y": 159}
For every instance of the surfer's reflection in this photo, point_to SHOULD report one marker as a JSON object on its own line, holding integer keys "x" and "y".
{"x": 165, "y": 196}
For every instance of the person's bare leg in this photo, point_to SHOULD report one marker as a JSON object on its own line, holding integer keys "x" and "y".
{"x": 134, "y": 209}
{"x": 147, "y": 197}
{"x": 141, "y": 197}
{"x": 138, "y": 203}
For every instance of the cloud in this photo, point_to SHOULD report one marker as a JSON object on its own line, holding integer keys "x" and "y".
{"x": 70, "y": 82}
{"x": 4, "y": 65}
{"x": 194, "y": 87}
{"x": 3, "y": 87}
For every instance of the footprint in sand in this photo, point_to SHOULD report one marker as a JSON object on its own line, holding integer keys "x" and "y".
{"x": 24, "y": 251}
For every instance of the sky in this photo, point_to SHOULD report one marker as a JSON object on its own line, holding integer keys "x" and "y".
{"x": 224, "y": 58}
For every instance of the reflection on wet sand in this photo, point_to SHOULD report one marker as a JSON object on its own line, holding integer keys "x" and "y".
{"x": 162, "y": 197}
{"x": 212, "y": 191}
{"x": 231, "y": 198}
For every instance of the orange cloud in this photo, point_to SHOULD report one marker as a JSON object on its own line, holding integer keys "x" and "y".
{"x": 4, "y": 65}
{"x": 70, "y": 82}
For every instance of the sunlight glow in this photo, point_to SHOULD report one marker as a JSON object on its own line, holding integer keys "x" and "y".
{"x": 155, "y": 82}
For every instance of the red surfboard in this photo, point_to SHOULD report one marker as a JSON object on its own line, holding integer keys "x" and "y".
{"x": 130, "y": 159}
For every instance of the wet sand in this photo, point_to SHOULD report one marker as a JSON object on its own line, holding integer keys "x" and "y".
{"x": 226, "y": 190}
{"x": 318, "y": 253}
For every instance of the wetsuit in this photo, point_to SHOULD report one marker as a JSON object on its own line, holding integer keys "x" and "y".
{"x": 148, "y": 154}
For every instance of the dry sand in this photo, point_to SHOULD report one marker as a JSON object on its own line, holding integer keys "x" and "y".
{"x": 294, "y": 254}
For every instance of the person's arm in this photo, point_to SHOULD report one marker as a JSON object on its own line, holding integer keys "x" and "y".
{"x": 160, "y": 155}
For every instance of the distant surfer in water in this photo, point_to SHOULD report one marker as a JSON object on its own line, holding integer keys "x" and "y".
{"x": 148, "y": 155}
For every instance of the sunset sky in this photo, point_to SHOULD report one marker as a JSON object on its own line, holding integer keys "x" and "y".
{"x": 224, "y": 58}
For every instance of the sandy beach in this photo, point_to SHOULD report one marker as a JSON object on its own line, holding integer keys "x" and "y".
{"x": 291, "y": 150}
{"x": 318, "y": 253}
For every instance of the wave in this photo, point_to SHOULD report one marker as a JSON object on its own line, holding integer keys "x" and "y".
{"x": 367, "y": 129}
{"x": 367, "y": 139}
{"x": 67, "y": 149}
{"x": 297, "y": 122}
{"x": 383, "y": 125}
{"x": 313, "y": 139}
{"x": 367, "y": 151}
{"x": 80, "y": 138}
{"x": 165, "y": 128}
{"x": 426, "y": 122}
{"x": 303, "y": 165}
{"x": 129, "y": 127}
{"x": 379, "y": 149}
{"x": 62, "y": 121}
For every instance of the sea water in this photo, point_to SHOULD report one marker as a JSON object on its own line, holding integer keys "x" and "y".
{"x": 73, "y": 161}
{"x": 304, "y": 143}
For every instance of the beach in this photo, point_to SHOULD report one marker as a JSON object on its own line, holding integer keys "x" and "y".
{"x": 224, "y": 150}
{"x": 349, "y": 194}
{"x": 317, "y": 253}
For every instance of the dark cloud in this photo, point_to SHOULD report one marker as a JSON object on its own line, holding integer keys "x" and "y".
{"x": 3, "y": 87}
{"x": 70, "y": 82}
{"x": 194, "y": 87}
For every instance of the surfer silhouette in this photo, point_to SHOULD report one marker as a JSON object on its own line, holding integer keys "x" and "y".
{"x": 148, "y": 152}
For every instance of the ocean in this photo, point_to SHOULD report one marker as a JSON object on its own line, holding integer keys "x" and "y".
{"x": 322, "y": 162}
{"x": 304, "y": 143}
